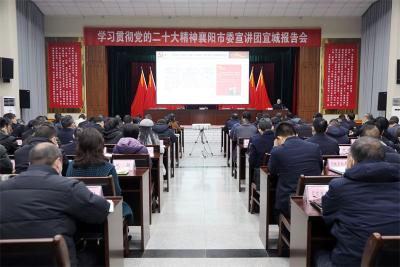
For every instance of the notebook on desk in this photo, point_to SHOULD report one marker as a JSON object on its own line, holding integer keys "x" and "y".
{"x": 124, "y": 166}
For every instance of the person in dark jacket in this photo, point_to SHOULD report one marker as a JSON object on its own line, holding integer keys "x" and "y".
{"x": 162, "y": 129}
{"x": 17, "y": 128}
{"x": 303, "y": 130}
{"x": 45, "y": 133}
{"x": 5, "y": 162}
{"x": 351, "y": 124}
{"x": 365, "y": 200}
{"x": 66, "y": 133}
{"x": 231, "y": 122}
{"x": 328, "y": 145}
{"x": 383, "y": 124}
{"x": 41, "y": 203}
{"x": 57, "y": 120}
{"x": 7, "y": 140}
{"x": 129, "y": 144}
{"x": 112, "y": 133}
{"x": 290, "y": 158}
{"x": 393, "y": 126}
{"x": 97, "y": 123}
{"x": 260, "y": 144}
{"x": 30, "y": 129}
{"x": 70, "y": 149}
{"x": 337, "y": 132}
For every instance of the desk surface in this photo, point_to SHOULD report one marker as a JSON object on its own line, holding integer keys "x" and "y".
{"x": 308, "y": 210}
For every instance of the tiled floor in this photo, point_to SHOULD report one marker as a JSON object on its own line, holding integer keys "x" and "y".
{"x": 204, "y": 219}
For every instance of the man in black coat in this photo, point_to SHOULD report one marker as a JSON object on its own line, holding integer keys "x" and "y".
{"x": 41, "y": 203}
{"x": 232, "y": 121}
{"x": 290, "y": 158}
{"x": 328, "y": 145}
{"x": 45, "y": 133}
{"x": 7, "y": 140}
{"x": 17, "y": 129}
{"x": 162, "y": 129}
{"x": 365, "y": 200}
{"x": 260, "y": 144}
{"x": 66, "y": 133}
{"x": 111, "y": 132}
{"x": 337, "y": 132}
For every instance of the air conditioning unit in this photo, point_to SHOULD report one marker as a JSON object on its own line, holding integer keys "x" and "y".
{"x": 7, "y": 105}
{"x": 396, "y": 107}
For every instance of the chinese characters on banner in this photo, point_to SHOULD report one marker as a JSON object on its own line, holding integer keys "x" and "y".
{"x": 202, "y": 37}
{"x": 65, "y": 75}
{"x": 340, "y": 76}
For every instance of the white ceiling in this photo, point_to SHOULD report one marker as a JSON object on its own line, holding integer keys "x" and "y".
{"x": 202, "y": 8}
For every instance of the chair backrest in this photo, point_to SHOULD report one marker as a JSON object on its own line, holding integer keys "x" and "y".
{"x": 156, "y": 148}
{"x": 312, "y": 180}
{"x": 243, "y": 141}
{"x": 381, "y": 251}
{"x": 109, "y": 147}
{"x": 266, "y": 159}
{"x": 141, "y": 160}
{"x": 34, "y": 252}
{"x": 167, "y": 141}
{"x": 106, "y": 182}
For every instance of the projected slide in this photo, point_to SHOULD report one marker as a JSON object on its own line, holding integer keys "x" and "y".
{"x": 207, "y": 77}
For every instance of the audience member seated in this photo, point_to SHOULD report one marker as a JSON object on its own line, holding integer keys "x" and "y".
{"x": 390, "y": 154}
{"x": 337, "y": 132}
{"x": 383, "y": 124}
{"x": 303, "y": 130}
{"x": 394, "y": 126}
{"x": 30, "y": 129}
{"x": 57, "y": 120}
{"x": 90, "y": 162}
{"x": 127, "y": 119}
{"x": 129, "y": 144}
{"x": 17, "y": 128}
{"x": 260, "y": 144}
{"x": 328, "y": 145}
{"x": 146, "y": 134}
{"x": 6, "y": 139}
{"x": 276, "y": 119}
{"x": 173, "y": 123}
{"x": 97, "y": 123}
{"x": 278, "y": 105}
{"x": 365, "y": 200}
{"x": 136, "y": 120}
{"x": 70, "y": 149}
{"x": 244, "y": 129}
{"x": 81, "y": 118}
{"x": 317, "y": 115}
{"x": 290, "y": 158}
{"x": 66, "y": 132}
{"x": 231, "y": 122}
{"x": 112, "y": 133}
{"x": 41, "y": 203}
{"x": 5, "y": 162}
{"x": 45, "y": 133}
{"x": 162, "y": 129}
{"x": 351, "y": 124}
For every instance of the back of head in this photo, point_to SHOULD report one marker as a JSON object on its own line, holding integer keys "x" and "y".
{"x": 44, "y": 154}
{"x": 317, "y": 115}
{"x": 342, "y": 116}
{"x": 285, "y": 129}
{"x": 334, "y": 122}
{"x": 148, "y": 116}
{"x": 130, "y": 130}
{"x": 370, "y": 130}
{"x": 278, "y": 115}
{"x": 9, "y": 116}
{"x": 90, "y": 148}
{"x": 82, "y": 116}
{"x": 58, "y": 117}
{"x": 264, "y": 124}
{"x": 382, "y": 123}
{"x": 369, "y": 117}
{"x": 4, "y": 122}
{"x": 136, "y": 120}
{"x": 45, "y": 130}
{"x": 42, "y": 119}
{"x": 127, "y": 119}
{"x": 97, "y": 119}
{"x": 290, "y": 115}
{"x": 367, "y": 148}
{"x": 235, "y": 116}
{"x": 161, "y": 121}
{"x": 394, "y": 120}
{"x": 67, "y": 121}
{"x": 246, "y": 115}
{"x": 320, "y": 125}
{"x": 111, "y": 123}
{"x": 351, "y": 116}
{"x": 33, "y": 123}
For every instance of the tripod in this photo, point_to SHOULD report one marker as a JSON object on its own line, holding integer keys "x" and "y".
{"x": 202, "y": 136}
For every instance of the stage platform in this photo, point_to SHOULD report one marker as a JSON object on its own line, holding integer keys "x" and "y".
{"x": 212, "y": 116}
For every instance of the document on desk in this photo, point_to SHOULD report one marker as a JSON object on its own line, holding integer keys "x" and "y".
{"x": 95, "y": 189}
{"x": 124, "y": 166}
{"x": 111, "y": 209}
{"x": 314, "y": 192}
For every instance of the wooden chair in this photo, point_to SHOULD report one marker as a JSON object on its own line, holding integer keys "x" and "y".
{"x": 109, "y": 147}
{"x": 284, "y": 222}
{"x": 381, "y": 251}
{"x": 106, "y": 182}
{"x": 254, "y": 193}
{"x": 141, "y": 160}
{"x": 34, "y": 252}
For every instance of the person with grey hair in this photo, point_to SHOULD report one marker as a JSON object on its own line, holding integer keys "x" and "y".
{"x": 259, "y": 145}
{"x": 40, "y": 203}
{"x": 365, "y": 200}
{"x": 146, "y": 134}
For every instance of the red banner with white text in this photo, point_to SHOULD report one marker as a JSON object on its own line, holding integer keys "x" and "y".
{"x": 107, "y": 36}
{"x": 65, "y": 75}
{"x": 340, "y": 76}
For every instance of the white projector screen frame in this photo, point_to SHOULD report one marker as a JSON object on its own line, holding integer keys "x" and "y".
{"x": 202, "y": 77}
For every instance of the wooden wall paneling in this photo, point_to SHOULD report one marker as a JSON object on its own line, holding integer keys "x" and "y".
{"x": 308, "y": 86}
{"x": 96, "y": 81}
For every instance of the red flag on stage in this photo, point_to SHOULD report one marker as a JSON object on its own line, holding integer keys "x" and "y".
{"x": 138, "y": 102}
{"x": 150, "y": 99}
{"x": 252, "y": 90}
{"x": 261, "y": 94}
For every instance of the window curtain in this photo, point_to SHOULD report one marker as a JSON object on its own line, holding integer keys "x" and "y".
{"x": 124, "y": 68}
{"x": 31, "y": 57}
{"x": 374, "y": 62}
